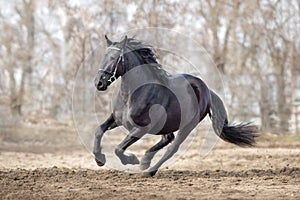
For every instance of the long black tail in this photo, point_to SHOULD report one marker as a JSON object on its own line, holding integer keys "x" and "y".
{"x": 242, "y": 134}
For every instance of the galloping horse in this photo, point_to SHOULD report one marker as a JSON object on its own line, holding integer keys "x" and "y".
{"x": 152, "y": 101}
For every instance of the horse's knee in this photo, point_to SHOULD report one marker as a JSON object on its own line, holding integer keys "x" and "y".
{"x": 98, "y": 132}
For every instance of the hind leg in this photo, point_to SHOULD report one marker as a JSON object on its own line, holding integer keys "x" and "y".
{"x": 146, "y": 160}
{"x": 128, "y": 141}
{"x": 180, "y": 137}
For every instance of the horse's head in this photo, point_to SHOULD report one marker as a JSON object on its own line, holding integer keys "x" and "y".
{"x": 112, "y": 65}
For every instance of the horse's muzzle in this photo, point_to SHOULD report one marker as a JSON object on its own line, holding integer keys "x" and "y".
{"x": 102, "y": 85}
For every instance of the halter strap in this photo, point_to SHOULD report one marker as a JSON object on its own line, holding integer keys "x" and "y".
{"x": 121, "y": 58}
{"x": 114, "y": 48}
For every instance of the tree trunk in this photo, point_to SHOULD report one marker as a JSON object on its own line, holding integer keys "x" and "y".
{"x": 264, "y": 109}
{"x": 14, "y": 104}
{"x": 283, "y": 112}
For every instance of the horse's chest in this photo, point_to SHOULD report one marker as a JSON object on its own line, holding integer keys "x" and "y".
{"x": 120, "y": 114}
{"x": 120, "y": 110}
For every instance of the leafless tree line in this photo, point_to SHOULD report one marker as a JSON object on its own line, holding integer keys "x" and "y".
{"x": 255, "y": 45}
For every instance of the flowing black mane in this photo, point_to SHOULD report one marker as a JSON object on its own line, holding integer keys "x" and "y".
{"x": 146, "y": 51}
{"x": 148, "y": 55}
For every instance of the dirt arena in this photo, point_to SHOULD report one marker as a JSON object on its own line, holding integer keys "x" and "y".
{"x": 39, "y": 163}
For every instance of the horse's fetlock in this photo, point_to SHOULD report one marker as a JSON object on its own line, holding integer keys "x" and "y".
{"x": 118, "y": 151}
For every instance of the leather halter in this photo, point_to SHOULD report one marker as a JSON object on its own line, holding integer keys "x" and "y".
{"x": 113, "y": 74}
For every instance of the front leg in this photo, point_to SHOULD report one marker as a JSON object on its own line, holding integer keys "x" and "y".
{"x": 129, "y": 140}
{"x": 107, "y": 125}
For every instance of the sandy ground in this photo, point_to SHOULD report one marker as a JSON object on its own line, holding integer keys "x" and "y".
{"x": 40, "y": 163}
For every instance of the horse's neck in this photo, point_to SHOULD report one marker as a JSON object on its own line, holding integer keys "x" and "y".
{"x": 138, "y": 76}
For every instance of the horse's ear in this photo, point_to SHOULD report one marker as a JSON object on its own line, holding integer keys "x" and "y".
{"x": 108, "y": 41}
{"x": 124, "y": 42}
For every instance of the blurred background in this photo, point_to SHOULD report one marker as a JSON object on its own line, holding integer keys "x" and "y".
{"x": 254, "y": 44}
{"x": 50, "y": 51}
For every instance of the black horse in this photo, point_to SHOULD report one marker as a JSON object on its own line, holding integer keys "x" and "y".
{"x": 152, "y": 101}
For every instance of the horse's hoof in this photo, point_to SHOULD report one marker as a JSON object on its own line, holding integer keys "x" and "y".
{"x": 128, "y": 159}
{"x": 100, "y": 163}
{"x": 132, "y": 159}
{"x": 149, "y": 173}
{"x": 100, "y": 160}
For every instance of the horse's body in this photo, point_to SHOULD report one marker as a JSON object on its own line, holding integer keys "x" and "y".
{"x": 136, "y": 102}
{"x": 151, "y": 101}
